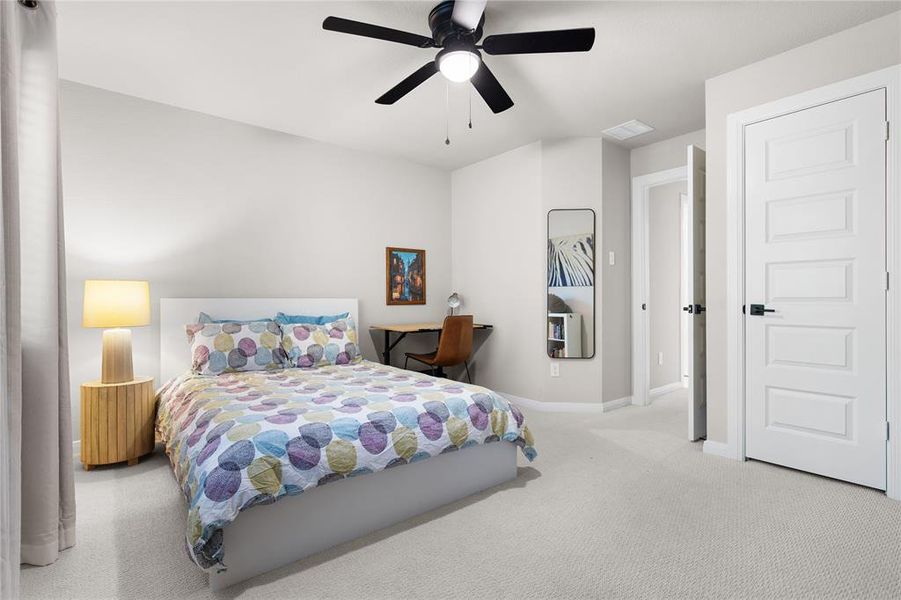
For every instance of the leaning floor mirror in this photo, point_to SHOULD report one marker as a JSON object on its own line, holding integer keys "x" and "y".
{"x": 570, "y": 283}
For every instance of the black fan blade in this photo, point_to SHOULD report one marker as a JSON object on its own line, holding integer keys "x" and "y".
{"x": 409, "y": 84}
{"x": 535, "y": 42}
{"x": 375, "y": 31}
{"x": 491, "y": 90}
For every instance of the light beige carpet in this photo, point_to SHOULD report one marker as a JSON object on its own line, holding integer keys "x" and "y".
{"x": 617, "y": 505}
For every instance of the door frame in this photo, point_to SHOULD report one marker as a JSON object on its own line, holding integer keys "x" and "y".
{"x": 641, "y": 343}
{"x": 890, "y": 80}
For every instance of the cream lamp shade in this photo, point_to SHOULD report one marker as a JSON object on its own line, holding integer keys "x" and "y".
{"x": 114, "y": 305}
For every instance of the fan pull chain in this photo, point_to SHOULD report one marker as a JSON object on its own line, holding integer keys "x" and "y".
{"x": 447, "y": 114}
{"x": 470, "y": 107}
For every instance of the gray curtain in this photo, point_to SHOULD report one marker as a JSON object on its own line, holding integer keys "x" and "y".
{"x": 37, "y": 501}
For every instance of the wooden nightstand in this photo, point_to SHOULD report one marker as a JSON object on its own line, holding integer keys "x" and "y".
{"x": 117, "y": 421}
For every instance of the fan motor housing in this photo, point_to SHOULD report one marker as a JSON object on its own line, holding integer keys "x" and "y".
{"x": 444, "y": 30}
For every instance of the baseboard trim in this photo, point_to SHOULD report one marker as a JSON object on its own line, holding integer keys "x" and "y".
{"x": 666, "y": 389}
{"x": 568, "y": 407}
{"x": 76, "y": 452}
{"x": 719, "y": 449}
{"x": 564, "y": 407}
{"x": 618, "y": 403}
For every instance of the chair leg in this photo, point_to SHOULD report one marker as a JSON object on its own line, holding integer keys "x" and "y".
{"x": 406, "y": 360}
{"x": 465, "y": 364}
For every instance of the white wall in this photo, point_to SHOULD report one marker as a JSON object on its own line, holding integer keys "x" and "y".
{"x": 862, "y": 49}
{"x": 499, "y": 245}
{"x": 664, "y": 274}
{"x": 202, "y": 206}
{"x": 616, "y": 280}
{"x": 571, "y": 178}
{"x": 665, "y": 154}
{"x": 498, "y": 262}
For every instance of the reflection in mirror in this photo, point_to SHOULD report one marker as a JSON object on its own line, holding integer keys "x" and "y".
{"x": 570, "y": 283}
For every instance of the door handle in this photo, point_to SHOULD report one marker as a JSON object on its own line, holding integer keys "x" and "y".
{"x": 688, "y": 309}
{"x": 758, "y": 310}
{"x": 699, "y": 309}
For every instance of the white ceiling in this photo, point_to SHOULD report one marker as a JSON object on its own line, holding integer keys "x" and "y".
{"x": 271, "y": 64}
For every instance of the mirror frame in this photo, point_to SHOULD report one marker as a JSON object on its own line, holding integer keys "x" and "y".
{"x": 594, "y": 262}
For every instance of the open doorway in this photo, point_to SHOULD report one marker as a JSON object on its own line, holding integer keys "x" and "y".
{"x": 668, "y": 317}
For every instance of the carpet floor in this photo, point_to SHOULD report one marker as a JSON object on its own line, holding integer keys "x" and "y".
{"x": 617, "y": 505}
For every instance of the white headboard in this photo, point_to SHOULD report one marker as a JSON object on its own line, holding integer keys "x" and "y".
{"x": 175, "y": 313}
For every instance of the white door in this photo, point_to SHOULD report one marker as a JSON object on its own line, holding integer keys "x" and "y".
{"x": 685, "y": 289}
{"x": 815, "y": 257}
{"x": 697, "y": 381}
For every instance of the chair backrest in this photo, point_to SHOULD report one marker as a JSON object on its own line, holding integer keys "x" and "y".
{"x": 455, "y": 345}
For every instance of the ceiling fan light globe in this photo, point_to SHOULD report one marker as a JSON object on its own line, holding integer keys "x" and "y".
{"x": 458, "y": 65}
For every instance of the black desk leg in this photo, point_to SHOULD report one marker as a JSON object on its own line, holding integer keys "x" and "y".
{"x": 386, "y": 353}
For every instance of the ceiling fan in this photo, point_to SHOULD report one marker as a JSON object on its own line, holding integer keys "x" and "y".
{"x": 456, "y": 29}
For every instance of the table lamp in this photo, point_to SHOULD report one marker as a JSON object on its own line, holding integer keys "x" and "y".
{"x": 454, "y": 301}
{"x": 115, "y": 305}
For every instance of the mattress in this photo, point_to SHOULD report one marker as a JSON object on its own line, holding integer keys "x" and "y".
{"x": 240, "y": 440}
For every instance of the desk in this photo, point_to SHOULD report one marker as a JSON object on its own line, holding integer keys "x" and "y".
{"x": 404, "y": 328}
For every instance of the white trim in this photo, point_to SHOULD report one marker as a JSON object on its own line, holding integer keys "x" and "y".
{"x": 667, "y": 388}
{"x": 641, "y": 191}
{"x": 76, "y": 452}
{"x": 719, "y": 449}
{"x": 568, "y": 407}
{"x": 618, "y": 403}
{"x": 890, "y": 79}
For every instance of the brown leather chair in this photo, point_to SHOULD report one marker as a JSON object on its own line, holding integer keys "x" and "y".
{"x": 454, "y": 347}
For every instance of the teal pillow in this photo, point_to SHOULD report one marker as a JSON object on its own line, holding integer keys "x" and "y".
{"x": 283, "y": 319}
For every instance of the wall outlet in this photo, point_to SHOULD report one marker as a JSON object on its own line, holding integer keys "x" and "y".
{"x": 660, "y": 358}
{"x": 611, "y": 258}
{"x": 555, "y": 369}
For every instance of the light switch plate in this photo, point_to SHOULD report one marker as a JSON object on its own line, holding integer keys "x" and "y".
{"x": 611, "y": 257}
{"x": 555, "y": 369}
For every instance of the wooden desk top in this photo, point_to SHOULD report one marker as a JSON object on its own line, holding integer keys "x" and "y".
{"x": 420, "y": 327}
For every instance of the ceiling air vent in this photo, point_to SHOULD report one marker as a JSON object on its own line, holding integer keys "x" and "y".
{"x": 627, "y": 130}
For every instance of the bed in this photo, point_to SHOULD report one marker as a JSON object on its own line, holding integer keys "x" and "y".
{"x": 278, "y": 465}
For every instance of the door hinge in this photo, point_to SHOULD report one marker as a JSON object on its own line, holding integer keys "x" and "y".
{"x": 886, "y": 281}
{"x": 886, "y": 131}
{"x": 887, "y": 431}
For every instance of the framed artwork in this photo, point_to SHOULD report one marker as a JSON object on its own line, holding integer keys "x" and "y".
{"x": 404, "y": 276}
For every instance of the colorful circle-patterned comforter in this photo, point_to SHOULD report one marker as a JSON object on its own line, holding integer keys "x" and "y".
{"x": 237, "y": 440}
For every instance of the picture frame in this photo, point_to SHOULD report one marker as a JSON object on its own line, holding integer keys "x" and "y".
{"x": 405, "y": 276}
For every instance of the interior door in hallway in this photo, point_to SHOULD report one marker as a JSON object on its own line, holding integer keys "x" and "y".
{"x": 697, "y": 381}
{"x": 815, "y": 283}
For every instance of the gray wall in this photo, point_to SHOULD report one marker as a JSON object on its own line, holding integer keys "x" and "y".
{"x": 499, "y": 242}
{"x": 202, "y": 206}
{"x": 664, "y": 274}
{"x": 570, "y": 178}
{"x": 616, "y": 286}
{"x": 498, "y": 264}
{"x": 862, "y": 49}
